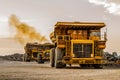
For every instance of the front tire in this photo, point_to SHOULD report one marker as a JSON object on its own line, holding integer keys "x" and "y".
{"x": 52, "y": 57}
{"x": 58, "y": 58}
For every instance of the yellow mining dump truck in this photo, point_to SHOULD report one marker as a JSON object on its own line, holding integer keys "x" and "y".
{"x": 37, "y": 52}
{"x": 31, "y": 51}
{"x": 77, "y": 43}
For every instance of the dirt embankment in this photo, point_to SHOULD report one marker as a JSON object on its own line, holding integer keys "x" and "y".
{"x": 13, "y": 57}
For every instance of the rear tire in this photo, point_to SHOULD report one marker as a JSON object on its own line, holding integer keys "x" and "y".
{"x": 52, "y": 57}
{"x": 58, "y": 58}
{"x": 25, "y": 57}
{"x": 39, "y": 59}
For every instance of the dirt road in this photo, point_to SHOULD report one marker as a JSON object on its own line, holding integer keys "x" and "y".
{"x": 14, "y": 70}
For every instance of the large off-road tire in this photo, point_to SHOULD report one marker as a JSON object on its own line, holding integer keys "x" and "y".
{"x": 25, "y": 58}
{"x": 58, "y": 58}
{"x": 40, "y": 59}
{"x": 52, "y": 57}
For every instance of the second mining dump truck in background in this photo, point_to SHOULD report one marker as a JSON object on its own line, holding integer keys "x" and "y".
{"x": 37, "y": 52}
{"x": 77, "y": 43}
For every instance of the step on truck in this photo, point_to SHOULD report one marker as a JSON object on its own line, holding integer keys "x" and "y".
{"x": 77, "y": 43}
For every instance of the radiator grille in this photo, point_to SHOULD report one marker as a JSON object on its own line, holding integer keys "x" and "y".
{"x": 82, "y": 50}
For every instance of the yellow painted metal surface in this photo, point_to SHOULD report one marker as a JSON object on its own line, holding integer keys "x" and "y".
{"x": 84, "y": 61}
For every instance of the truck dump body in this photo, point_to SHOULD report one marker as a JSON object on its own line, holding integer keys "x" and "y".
{"x": 63, "y": 27}
{"x": 79, "y": 25}
{"x": 78, "y": 42}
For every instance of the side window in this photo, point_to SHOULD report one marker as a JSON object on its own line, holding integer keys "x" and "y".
{"x": 95, "y": 33}
{"x": 60, "y": 37}
{"x": 66, "y": 38}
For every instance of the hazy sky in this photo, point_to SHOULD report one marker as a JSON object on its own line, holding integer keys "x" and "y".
{"x": 43, "y": 15}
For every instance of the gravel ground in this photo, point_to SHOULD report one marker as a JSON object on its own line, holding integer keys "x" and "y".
{"x": 15, "y": 70}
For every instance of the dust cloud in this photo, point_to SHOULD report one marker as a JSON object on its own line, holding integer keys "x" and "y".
{"x": 24, "y": 32}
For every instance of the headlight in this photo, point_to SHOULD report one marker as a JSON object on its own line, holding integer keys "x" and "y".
{"x": 47, "y": 53}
